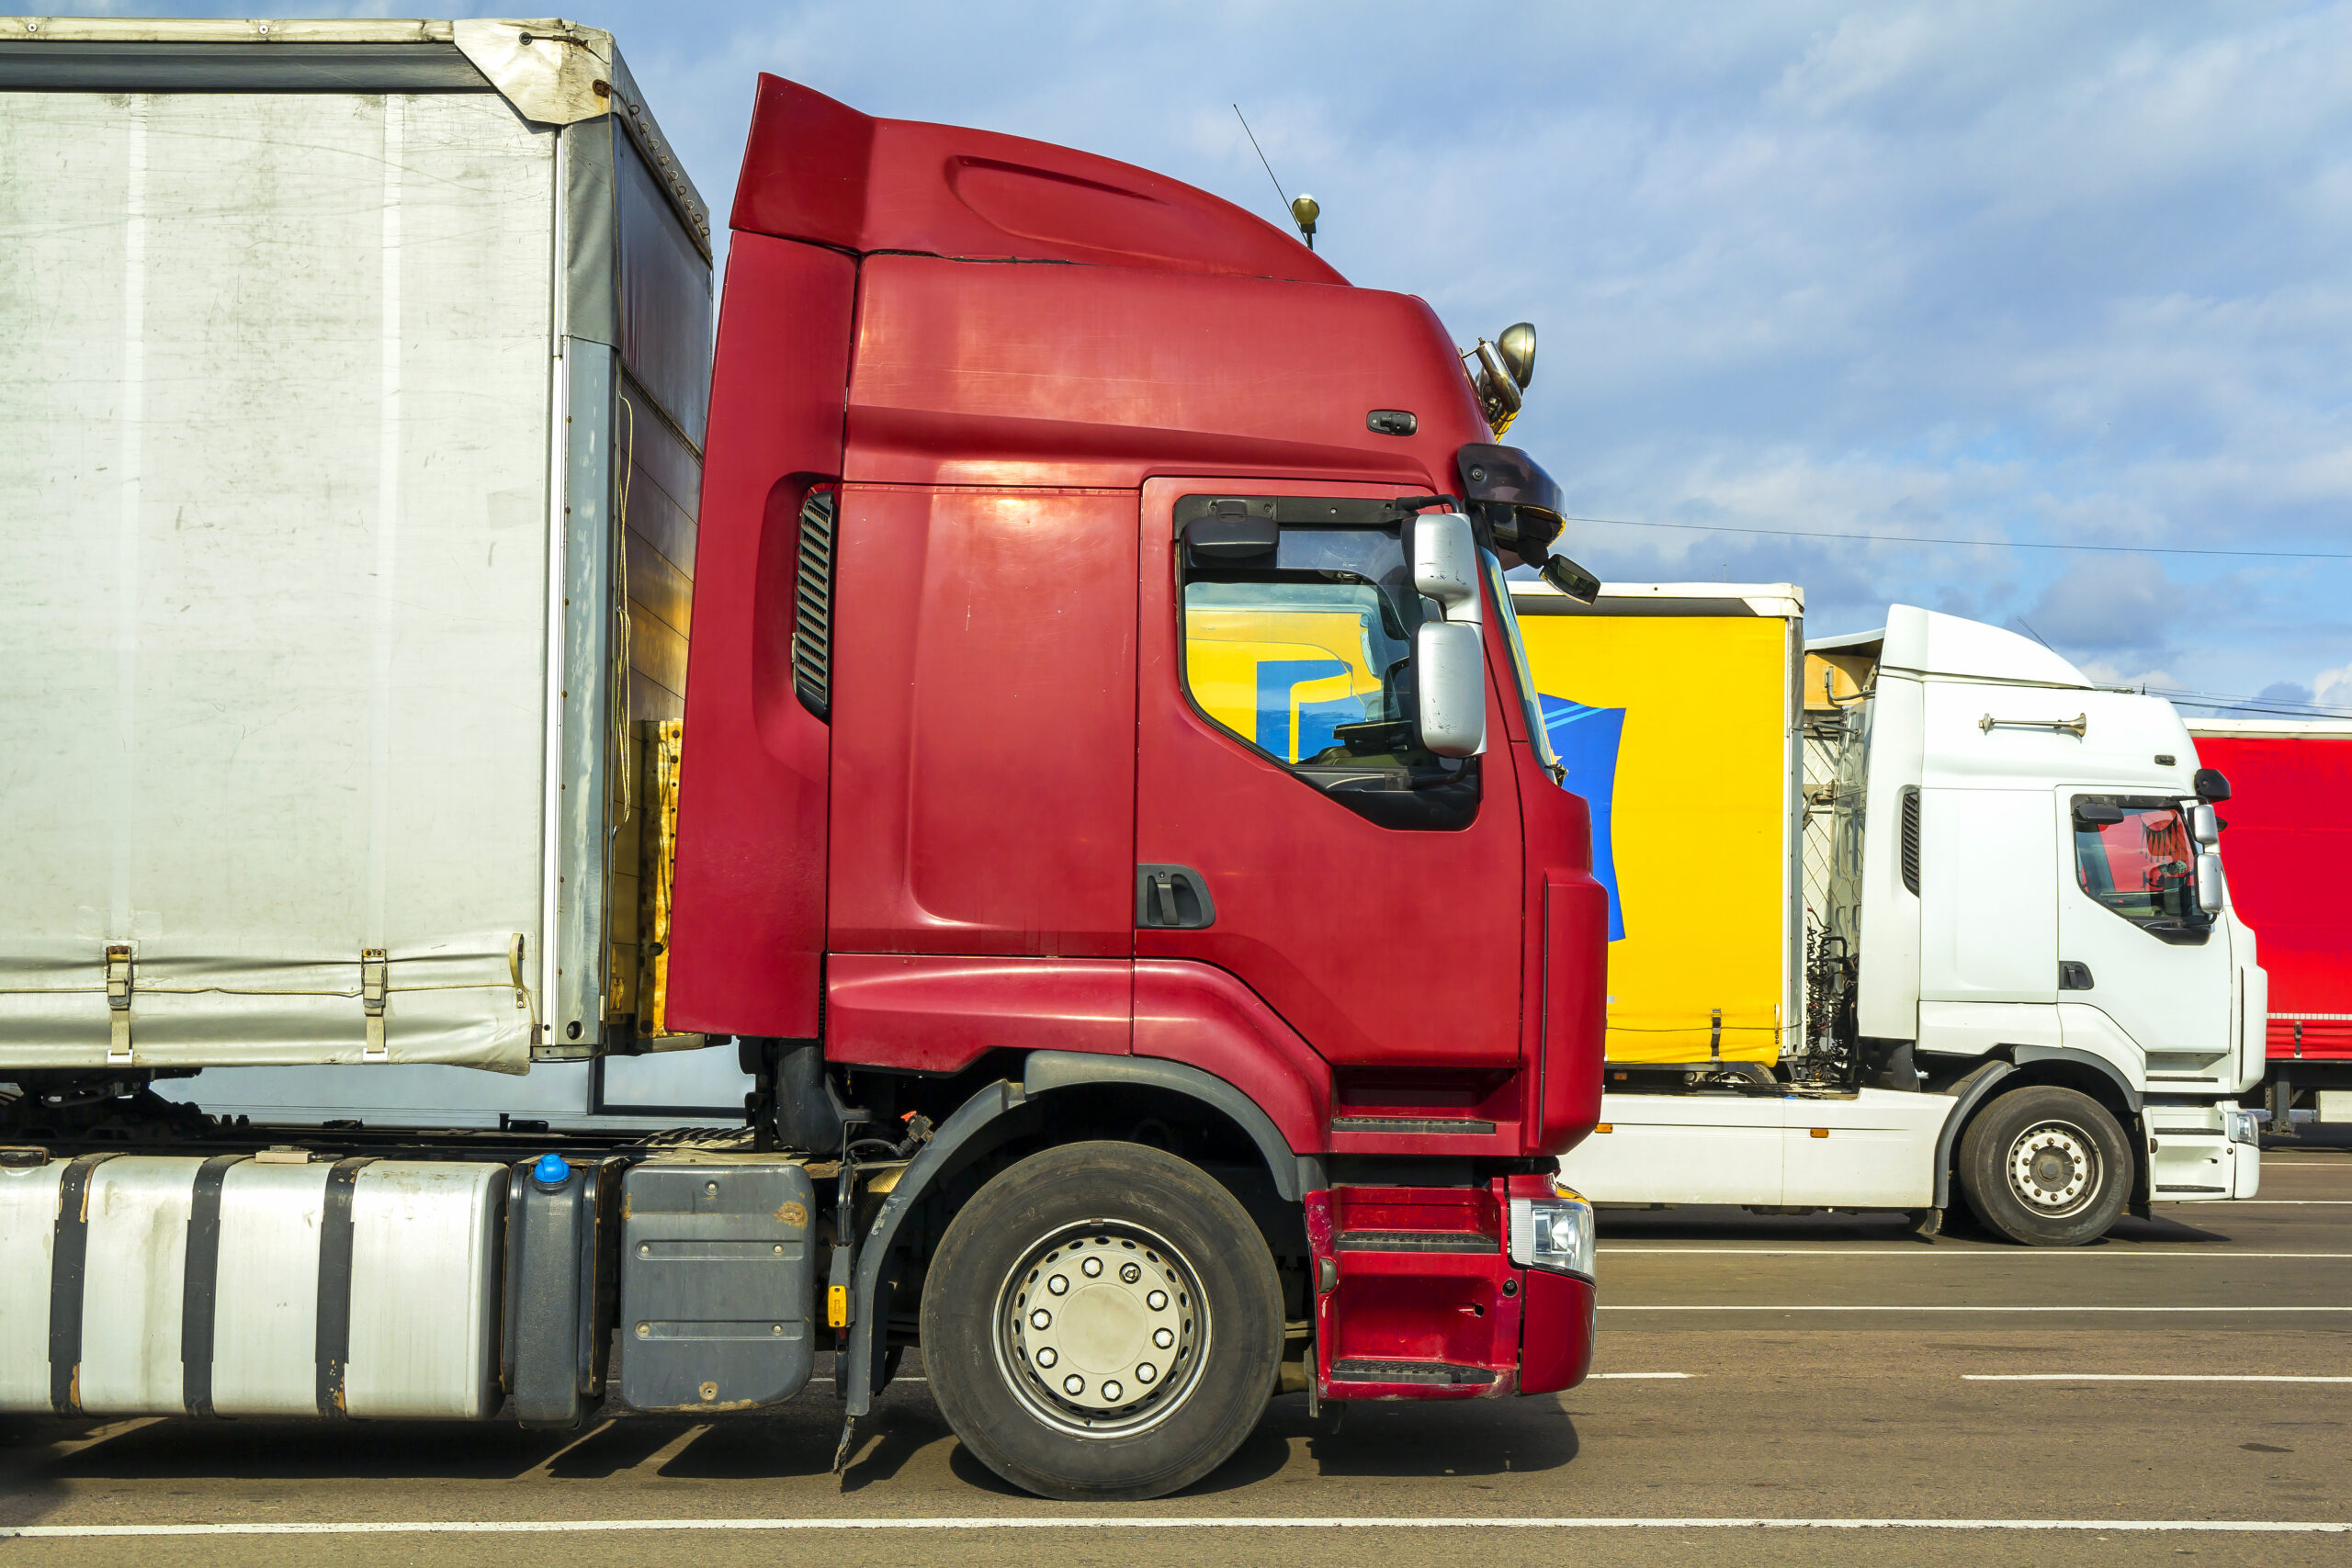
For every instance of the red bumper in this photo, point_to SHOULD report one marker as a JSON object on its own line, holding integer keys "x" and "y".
{"x": 1417, "y": 1298}
{"x": 1556, "y": 1332}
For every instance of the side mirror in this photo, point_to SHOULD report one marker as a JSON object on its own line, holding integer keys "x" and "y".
{"x": 1570, "y": 578}
{"x": 2212, "y": 786}
{"x": 2203, "y": 825}
{"x": 1450, "y": 680}
{"x": 2208, "y": 883}
{"x": 1445, "y": 564}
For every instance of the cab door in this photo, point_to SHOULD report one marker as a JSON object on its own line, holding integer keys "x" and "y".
{"x": 1369, "y": 894}
{"x": 2131, "y": 940}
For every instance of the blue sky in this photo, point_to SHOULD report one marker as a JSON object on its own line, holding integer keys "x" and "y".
{"x": 2018, "y": 274}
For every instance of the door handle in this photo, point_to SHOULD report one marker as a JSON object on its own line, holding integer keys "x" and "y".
{"x": 1173, "y": 898}
{"x": 2074, "y": 976}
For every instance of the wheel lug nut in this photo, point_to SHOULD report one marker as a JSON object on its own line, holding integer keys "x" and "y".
{"x": 1111, "y": 1390}
{"x": 1145, "y": 1371}
{"x": 1046, "y": 1355}
{"x": 1073, "y": 1384}
{"x": 1093, "y": 1267}
{"x": 1058, "y": 1284}
{"x": 1041, "y": 1318}
{"x": 1156, "y": 1300}
{"x": 1163, "y": 1337}
{"x": 1129, "y": 1273}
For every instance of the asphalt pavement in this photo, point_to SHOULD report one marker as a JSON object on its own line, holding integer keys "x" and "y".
{"x": 1767, "y": 1388}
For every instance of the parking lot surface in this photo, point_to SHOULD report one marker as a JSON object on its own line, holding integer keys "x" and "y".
{"x": 1917, "y": 1400}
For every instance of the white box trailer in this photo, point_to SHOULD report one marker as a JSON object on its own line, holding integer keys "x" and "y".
{"x": 356, "y": 376}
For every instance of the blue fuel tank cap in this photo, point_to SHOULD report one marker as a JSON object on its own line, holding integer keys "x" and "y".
{"x": 552, "y": 1170}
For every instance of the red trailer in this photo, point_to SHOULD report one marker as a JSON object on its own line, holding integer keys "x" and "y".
{"x": 2287, "y": 848}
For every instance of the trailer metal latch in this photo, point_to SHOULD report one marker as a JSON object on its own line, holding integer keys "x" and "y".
{"x": 118, "y": 967}
{"x": 372, "y": 997}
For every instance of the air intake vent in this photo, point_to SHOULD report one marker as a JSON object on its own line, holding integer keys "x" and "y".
{"x": 1911, "y": 840}
{"x": 813, "y": 610}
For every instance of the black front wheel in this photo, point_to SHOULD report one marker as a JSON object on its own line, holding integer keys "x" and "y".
{"x": 1102, "y": 1322}
{"x": 2046, "y": 1167}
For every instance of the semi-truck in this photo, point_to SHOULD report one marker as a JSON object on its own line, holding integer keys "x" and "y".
{"x": 462, "y": 736}
{"x": 2291, "y": 851}
{"x": 1912, "y": 917}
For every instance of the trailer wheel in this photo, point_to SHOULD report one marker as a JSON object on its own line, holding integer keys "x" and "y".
{"x": 1102, "y": 1323}
{"x": 2045, "y": 1167}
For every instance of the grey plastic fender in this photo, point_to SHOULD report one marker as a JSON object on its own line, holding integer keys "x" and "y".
{"x": 1004, "y": 1110}
{"x": 1970, "y": 1091}
{"x": 2027, "y": 1055}
{"x": 1295, "y": 1175}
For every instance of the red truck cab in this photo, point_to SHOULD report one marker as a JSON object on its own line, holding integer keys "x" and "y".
{"x": 1028, "y": 805}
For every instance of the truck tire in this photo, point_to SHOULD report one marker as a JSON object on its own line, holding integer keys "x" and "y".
{"x": 2045, "y": 1167}
{"x": 1102, "y": 1323}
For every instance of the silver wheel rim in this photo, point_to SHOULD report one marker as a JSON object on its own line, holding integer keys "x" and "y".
{"x": 1101, "y": 1330}
{"x": 2054, "y": 1168}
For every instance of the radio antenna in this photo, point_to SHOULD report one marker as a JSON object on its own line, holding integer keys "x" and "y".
{"x": 1262, "y": 154}
{"x": 1303, "y": 211}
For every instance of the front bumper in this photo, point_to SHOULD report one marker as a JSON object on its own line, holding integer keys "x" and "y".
{"x": 1417, "y": 1296}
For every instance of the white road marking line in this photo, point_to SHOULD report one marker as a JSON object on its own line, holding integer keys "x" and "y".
{"x": 1741, "y": 1306}
{"x": 1131, "y": 1522}
{"x": 1648, "y": 1375}
{"x": 2140, "y": 1377}
{"x": 1899, "y": 1249}
{"x": 2265, "y": 1203}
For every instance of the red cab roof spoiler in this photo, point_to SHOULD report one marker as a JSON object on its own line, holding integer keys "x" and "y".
{"x": 819, "y": 171}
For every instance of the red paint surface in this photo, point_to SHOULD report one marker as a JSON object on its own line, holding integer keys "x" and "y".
{"x": 938, "y": 1015}
{"x": 817, "y": 170}
{"x": 2287, "y": 855}
{"x": 1475, "y": 1211}
{"x": 748, "y": 927}
{"x": 984, "y": 723}
{"x": 1574, "y": 924}
{"x": 1380, "y": 947}
{"x": 1555, "y": 1334}
{"x": 1204, "y": 1017}
{"x": 1104, "y": 376}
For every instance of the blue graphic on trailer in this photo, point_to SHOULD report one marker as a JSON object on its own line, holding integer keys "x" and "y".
{"x": 1318, "y": 723}
{"x": 1585, "y": 739}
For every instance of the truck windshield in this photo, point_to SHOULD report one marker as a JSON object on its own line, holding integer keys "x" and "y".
{"x": 2135, "y": 857}
{"x": 1539, "y": 734}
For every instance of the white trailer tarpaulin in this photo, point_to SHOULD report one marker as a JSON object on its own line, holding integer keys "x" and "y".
{"x": 314, "y": 438}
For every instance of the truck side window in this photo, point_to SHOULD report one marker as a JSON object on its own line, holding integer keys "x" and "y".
{"x": 2135, "y": 856}
{"x": 1299, "y": 640}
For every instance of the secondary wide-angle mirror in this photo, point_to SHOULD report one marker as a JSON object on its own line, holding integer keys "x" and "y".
{"x": 2208, "y": 883}
{"x": 1570, "y": 578}
{"x": 2204, "y": 826}
{"x": 1450, "y": 680}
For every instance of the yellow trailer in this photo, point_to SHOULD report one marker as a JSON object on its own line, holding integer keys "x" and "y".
{"x": 1677, "y": 711}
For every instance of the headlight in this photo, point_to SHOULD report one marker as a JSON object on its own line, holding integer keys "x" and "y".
{"x": 1552, "y": 1233}
{"x": 2242, "y": 1127}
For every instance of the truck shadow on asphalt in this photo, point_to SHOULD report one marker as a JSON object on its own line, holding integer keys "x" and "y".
{"x": 44, "y": 1465}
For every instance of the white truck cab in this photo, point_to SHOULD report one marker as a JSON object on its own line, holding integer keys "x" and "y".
{"x": 2021, "y": 968}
